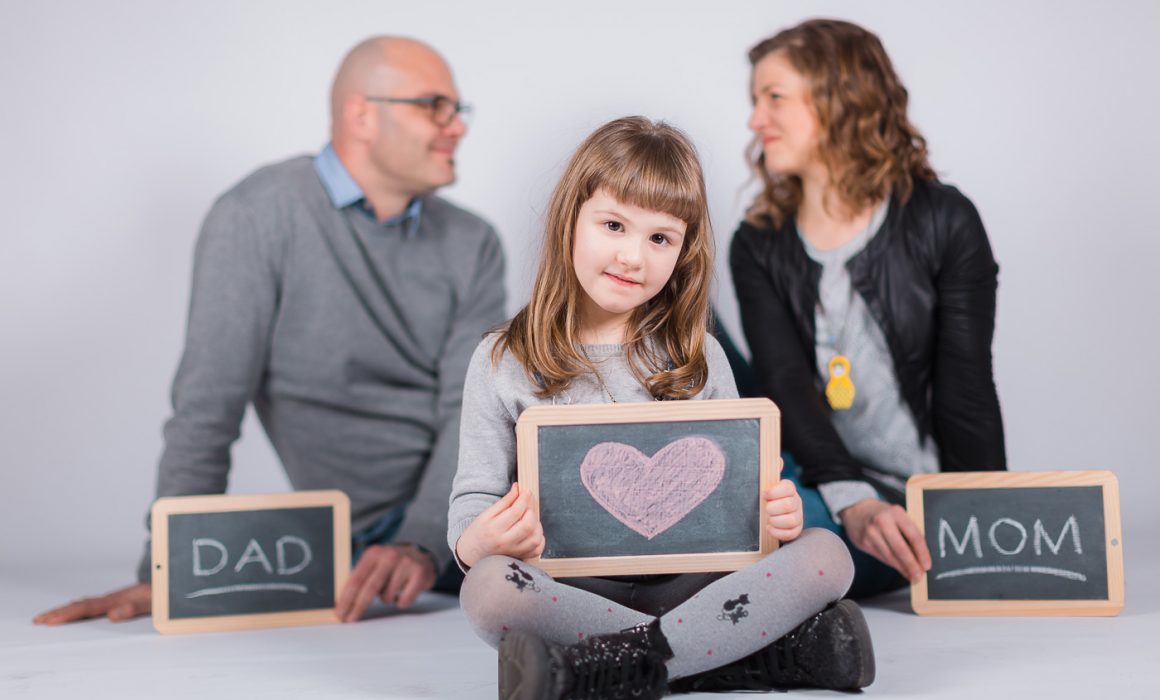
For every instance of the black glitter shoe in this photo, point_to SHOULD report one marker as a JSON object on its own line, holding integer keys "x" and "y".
{"x": 628, "y": 664}
{"x": 830, "y": 650}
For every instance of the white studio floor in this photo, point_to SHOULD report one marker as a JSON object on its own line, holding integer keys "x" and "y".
{"x": 431, "y": 652}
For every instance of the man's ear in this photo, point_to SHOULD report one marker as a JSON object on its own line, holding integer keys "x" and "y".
{"x": 359, "y": 117}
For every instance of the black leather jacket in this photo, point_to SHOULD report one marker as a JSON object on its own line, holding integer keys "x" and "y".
{"x": 928, "y": 278}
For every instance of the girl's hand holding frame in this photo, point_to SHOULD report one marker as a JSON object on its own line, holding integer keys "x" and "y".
{"x": 509, "y": 527}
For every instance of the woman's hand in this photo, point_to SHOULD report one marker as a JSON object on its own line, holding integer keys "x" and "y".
{"x": 509, "y": 527}
{"x": 784, "y": 507}
{"x": 886, "y": 532}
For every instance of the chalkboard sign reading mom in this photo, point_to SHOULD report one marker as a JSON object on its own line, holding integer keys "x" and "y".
{"x": 650, "y": 488}
{"x": 234, "y": 562}
{"x": 1019, "y": 543}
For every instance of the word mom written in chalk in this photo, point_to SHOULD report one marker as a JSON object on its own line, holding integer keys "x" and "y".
{"x": 1007, "y": 547}
{"x": 1013, "y": 543}
{"x": 253, "y": 554}
{"x": 971, "y": 536}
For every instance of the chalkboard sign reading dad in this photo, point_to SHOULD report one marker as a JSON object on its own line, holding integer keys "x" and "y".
{"x": 650, "y": 488}
{"x": 235, "y": 562}
{"x": 1019, "y": 543}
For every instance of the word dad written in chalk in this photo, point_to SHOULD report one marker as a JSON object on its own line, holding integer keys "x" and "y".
{"x": 287, "y": 548}
{"x": 1008, "y": 537}
{"x": 232, "y": 562}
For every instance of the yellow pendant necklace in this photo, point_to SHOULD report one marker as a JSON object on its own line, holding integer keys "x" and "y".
{"x": 840, "y": 388}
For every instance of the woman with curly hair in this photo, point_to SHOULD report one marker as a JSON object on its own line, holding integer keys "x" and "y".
{"x": 867, "y": 294}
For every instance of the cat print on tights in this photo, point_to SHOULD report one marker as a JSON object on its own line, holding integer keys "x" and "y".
{"x": 734, "y": 609}
{"x": 522, "y": 579}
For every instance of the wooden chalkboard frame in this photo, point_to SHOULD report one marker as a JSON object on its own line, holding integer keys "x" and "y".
{"x": 916, "y": 486}
{"x": 769, "y": 452}
{"x": 164, "y": 507}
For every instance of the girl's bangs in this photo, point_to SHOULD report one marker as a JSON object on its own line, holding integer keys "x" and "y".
{"x": 657, "y": 184}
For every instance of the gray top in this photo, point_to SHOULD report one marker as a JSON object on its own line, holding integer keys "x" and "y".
{"x": 878, "y": 428}
{"x": 350, "y": 338}
{"x": 494, "y": 398}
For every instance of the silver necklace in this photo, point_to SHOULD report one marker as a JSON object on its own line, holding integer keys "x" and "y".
{"x": 599, "y": 379}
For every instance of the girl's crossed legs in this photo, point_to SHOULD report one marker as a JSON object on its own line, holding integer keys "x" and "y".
{"x": 728, "y": 619}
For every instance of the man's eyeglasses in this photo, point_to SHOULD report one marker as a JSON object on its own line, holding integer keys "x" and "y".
{"x": 443, "y": 109}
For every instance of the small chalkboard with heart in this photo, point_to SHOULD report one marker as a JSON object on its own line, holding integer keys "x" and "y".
{"x": 664, "y": 487}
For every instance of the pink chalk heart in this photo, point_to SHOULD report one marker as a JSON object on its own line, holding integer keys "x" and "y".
{"x": 651, "y": 494}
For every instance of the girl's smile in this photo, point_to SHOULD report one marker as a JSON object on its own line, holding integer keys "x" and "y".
{"x": 621, "y": 280}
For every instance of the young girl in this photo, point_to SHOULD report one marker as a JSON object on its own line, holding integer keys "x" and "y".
{"x": 618, "y": 313}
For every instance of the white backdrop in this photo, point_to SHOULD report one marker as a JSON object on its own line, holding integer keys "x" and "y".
{"x": 121, "y": 121}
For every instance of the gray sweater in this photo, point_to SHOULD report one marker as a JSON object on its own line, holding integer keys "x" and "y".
{"x": 494, "y": 398}
{"x": 351, "y": 339}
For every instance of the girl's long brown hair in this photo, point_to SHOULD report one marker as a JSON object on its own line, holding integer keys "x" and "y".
{"x": 652, "y": 166}
{"x": 866, "y": 140}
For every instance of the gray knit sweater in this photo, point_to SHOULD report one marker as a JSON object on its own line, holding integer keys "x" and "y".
{"x": 494, "y": 398}
{"x": 351, "y": 340}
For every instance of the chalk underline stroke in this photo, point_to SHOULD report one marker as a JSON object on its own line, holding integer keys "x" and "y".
{"x": 295, "y": 587}
{"x": 1045, "y": 570}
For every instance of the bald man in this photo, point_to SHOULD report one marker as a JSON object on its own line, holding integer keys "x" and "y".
{"x": 343, "y": 300}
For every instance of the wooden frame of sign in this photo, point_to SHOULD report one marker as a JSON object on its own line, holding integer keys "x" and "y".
{"x": 762, "y": 411}
{"x": 1113, "y": 541}
{"x": 165, "y": 507}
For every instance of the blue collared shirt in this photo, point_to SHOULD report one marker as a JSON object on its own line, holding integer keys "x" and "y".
{"x": 345, "y": 192}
